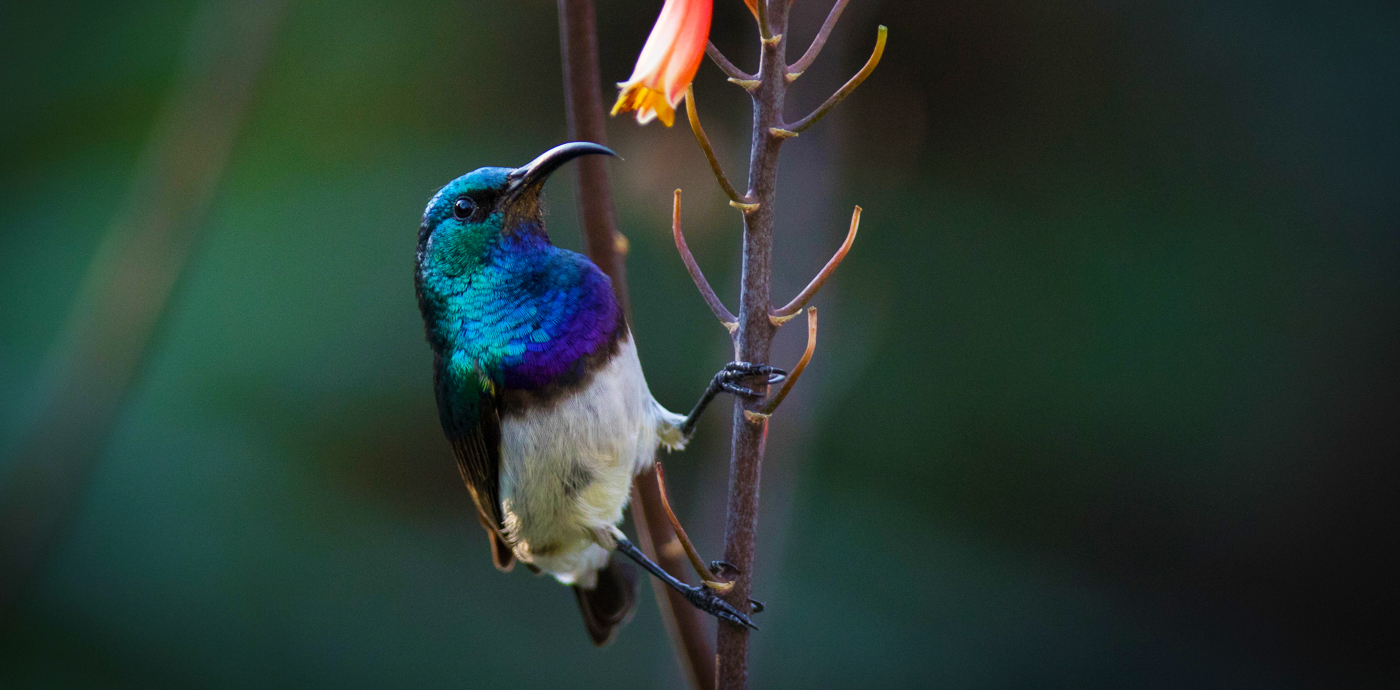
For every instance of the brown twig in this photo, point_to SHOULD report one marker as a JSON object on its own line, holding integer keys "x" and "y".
{"x": 717, "y": 307}
{"x": 724, "y": 65}
{"x": 760, "y": 10}
{"x": 790, "y": 310}
{"x": 579, "y": 43}
{"x": 704, "y": 141}
{"x": 846, "y": 90}
{"x": 128, "y": 286}
{"x": 695, "y": 561}
{"x": 818, "y": 43}
{"x": 792, "y": 377}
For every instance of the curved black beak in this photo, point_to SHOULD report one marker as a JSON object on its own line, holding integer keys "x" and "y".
{"x": 534, "y": 173}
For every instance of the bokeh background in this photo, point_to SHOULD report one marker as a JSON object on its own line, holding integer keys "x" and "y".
{"x": 1105, "y": 394}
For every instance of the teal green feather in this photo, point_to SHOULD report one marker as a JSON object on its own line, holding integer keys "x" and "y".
{"x": 504, "y": 308}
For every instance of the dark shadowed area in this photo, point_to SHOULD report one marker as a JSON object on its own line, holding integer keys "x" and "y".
{"x": 1106, "y": 392}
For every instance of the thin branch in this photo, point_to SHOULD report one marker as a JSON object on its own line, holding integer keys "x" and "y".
{"x": 790, "y": 310}
{"x": 777, "y": 398}
{"x": 704, "y": 142}
{"x": 695, "y": 561}
{"x": 761, "y": 14}
{"x": 730, "y": 69}
{"x": 846, "y": 90}
{"x": 717, "y": 307}
{"x": 819, "y": 42}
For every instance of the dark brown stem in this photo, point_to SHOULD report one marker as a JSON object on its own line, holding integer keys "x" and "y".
{"x": 846, "y": 90}
{"x": 724, "y": 65}
{"x": 754, "y": 338}
{"x": 578, "y": 37}
{"x": 819, "y": 42}
{"x": 790, "y": 309}
{"x": 717, "y": 307}
{"x": 128, "y": 286}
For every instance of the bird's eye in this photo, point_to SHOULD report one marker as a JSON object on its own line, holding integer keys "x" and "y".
{"x": 463, "y": 208}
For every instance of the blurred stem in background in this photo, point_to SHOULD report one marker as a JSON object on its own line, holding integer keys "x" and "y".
{"x": 91, "y": 367}
{"x": 578, "y": 36}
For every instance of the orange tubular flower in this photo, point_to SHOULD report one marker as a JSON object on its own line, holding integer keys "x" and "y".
{"x": 668, "y": 61}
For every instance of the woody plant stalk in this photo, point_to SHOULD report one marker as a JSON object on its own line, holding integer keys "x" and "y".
{"x": 660, "y": 81}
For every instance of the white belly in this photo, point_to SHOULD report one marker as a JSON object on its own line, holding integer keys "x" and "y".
{"x": 567, "y": 467}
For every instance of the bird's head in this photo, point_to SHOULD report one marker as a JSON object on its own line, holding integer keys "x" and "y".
{"x": 474, "y": 212}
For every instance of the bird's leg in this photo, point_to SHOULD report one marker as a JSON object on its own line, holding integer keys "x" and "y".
{"x": 699, "y": 597}
{"x": 728, "y": 379}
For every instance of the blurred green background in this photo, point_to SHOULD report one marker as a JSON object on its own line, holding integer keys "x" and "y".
{"x": 1105, "y": 396}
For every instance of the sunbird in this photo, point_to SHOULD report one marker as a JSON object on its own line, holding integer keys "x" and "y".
{"x": 540, "y": 392}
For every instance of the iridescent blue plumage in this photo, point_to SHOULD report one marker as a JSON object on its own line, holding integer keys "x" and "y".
{"x": 505, "y": 303}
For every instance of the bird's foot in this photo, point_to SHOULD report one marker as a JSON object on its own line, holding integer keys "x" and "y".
{"x": 729, "y": 377}
{"x": 724, "y": 570}
{"x": 699, "y": 597}
{"x": 705, "y": 600}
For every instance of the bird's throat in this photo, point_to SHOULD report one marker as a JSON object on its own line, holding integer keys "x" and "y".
{"x": 524, "y": 214}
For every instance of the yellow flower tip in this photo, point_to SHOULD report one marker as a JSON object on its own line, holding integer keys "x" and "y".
{"x": 668, "y": 61}
{"x": 649, "y": 104}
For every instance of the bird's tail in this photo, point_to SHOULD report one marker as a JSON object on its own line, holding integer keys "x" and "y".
{"x": 610, "y": 603}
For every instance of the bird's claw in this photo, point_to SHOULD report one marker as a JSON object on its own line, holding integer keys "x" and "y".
{"x": 733, "y": 372}
{"x": 723, "y": 569}
{"x": 728, "y": 571}
{"x": 705, "y": 600}
{"x": 728, "y": 380}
